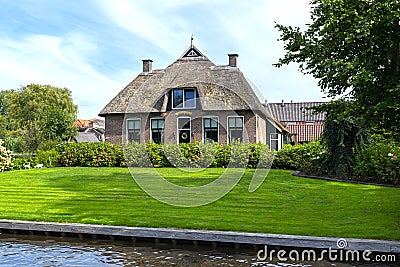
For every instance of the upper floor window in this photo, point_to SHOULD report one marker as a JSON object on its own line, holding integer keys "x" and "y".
{"x": 133, "y": 130}
{"x": 184, "y": 98}
{"x": 235, "y": 129}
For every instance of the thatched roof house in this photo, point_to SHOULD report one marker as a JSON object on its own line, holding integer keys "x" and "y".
{"x": 191, "y": 99}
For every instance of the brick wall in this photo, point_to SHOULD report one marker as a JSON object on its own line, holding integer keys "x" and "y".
{"x": 114, "y": 124}
{"x": 115, "y": 127}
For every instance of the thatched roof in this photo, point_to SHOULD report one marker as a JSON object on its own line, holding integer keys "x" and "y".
{"x": 219, "y": 88}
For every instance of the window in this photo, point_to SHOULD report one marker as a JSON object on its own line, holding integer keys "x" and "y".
{"x": 235, "y": 129}
{"x": 157, "y": 130}
{"x": 184, "y": 98}
{"x": 275, "y": 141}
{"x": 210, "y": 129}
{"x": 133, "y": 130}
{"x": 184, "y": 129}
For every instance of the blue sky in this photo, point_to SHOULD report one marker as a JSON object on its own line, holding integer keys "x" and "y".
{"x": 95, "y": 47}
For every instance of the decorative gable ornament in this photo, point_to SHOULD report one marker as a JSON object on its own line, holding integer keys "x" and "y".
{"x": 192, "y": 52}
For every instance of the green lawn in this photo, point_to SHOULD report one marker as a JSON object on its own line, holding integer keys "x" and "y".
{"x": 283, "y": 204}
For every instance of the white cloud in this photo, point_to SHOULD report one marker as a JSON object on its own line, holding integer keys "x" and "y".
{"x": 150, "y": 21}
{"x": 288, "y": 12}
{"x": 59, "y": 62}
{"x": 251, "y": 28}
{"x": 162, "y": 29}
{"x": 230, "y": 26}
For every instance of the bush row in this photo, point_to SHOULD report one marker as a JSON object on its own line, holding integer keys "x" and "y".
{"x": 48, "y": 158}
{"x": 378, "y": 161}
{"x": 194, "y": 155}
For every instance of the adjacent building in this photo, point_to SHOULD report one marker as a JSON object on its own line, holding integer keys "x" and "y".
{"x": 303, "y": 123}
{"x": 89, "y": 131}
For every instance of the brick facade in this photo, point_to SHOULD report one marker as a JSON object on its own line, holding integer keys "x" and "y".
{"x": 254, "y": 125}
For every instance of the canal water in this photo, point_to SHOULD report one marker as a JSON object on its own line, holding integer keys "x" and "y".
{"x": 21, "y": 250}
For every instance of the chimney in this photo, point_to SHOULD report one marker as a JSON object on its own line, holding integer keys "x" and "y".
{"x": 233, "y": 60}
{"x": 147, "y": 65}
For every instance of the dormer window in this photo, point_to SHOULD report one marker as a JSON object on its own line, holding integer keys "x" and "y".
{"x": 184, "y": 98}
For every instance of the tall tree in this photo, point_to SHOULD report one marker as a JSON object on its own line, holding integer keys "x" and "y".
{"x": 353, "y": 48}
{"x": 43, "y": 112}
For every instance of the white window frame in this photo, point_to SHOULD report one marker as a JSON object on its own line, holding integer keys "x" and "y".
{"x": 127, "y": 128}
{"x": 184, "y": 98}
{"x": 227, "y": 127}
{"x": 279, "y": 139}
{"x": 151, "y": 129}
{"x": 203, "y": 130}
{"x": 178, "y": 129}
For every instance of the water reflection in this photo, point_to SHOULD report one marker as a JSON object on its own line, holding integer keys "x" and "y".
{"x": 40, "y": 251}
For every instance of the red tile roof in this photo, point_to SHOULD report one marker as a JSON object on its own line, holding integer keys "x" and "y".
{"x": 305, "y": 132}
{"x": 80, "y": 123}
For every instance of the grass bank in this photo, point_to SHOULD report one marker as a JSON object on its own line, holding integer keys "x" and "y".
{"x": 283, "y": 204}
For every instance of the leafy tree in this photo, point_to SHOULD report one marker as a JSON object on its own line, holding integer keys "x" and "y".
{"x": 4, "y": 118}
{"x": 353, "y": 49}
{"x": 39, "y": 112}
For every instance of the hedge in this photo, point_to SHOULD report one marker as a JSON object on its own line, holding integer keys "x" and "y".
{"x": 90, "y": 155}
{"x": 192, "y": 155}
{"x": 378, "y": 161}
{"x": 298, "y": 157}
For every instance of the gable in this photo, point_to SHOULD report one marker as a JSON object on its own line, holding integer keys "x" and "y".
{"x": 191, "y": 53}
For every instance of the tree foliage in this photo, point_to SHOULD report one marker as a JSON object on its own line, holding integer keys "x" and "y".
{"x": 38, "y": 113}
{"x": 353, "y": 49}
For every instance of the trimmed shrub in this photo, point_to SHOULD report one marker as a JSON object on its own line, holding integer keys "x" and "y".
{"x": 136, "y": 155}
{"x": 157, "y": 155}
{"x": 48, "y": 157}
{"x": 239, "y": 155}
{"x": 260, "y": 156}
{"x": 299, "y": 157}
{"x": 222, "y": 156}
{"x": 19, "y": 163}
{"x": 190, "y": 155}
{"x": 379, "y": 161}
{"x": 89, "y": 155}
